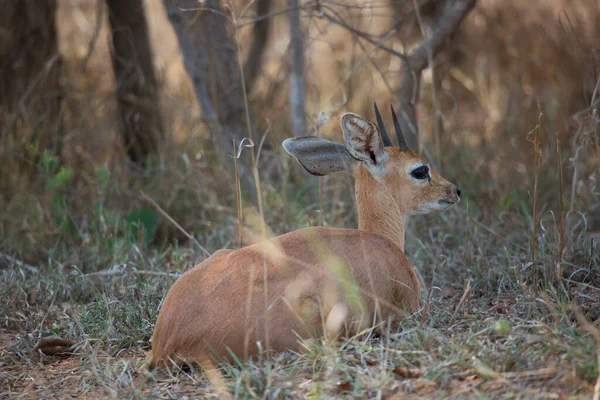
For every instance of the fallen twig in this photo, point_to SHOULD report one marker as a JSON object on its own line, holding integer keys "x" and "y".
{"x": 462, "y": 299}
{"x": 7, "y": 261}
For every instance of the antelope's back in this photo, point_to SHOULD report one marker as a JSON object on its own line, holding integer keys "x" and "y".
{"x": 221, "y": 302}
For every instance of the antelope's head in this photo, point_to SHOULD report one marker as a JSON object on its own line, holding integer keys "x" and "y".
{"x": 393, "y": 174}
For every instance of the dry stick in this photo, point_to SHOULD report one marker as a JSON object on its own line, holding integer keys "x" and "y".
{"x": 157, "y": 273}
{"x": 466, "y": 248}
{"x": 425, "y": 309}
{"x": 321, "y": 180}
{"x": 597, "y": 136}
{"x": 46, "y": 315}
{"x": 237, "y": 153}
{"x": 561, "y": 245}
{"x": 595, "y": 332}
{"x": 597, "y": 140}
{"x": 238, "y": 190}
{"x": 321, "y": 219}
{"x": 574, "y": 161}
{"x": 462, "y": 299}
{"x": 592, "y": 105}
{"x": 536, "y": 173}
{"x": 171, "y": 220}
{"x": 551, "y": 307}
{"x": 7, "y": 260}
{"x": 594, "y": 95}
{"x": 542, "y": 373}
{"x": 258, "y": 198}
{"x": 262, "y": 141}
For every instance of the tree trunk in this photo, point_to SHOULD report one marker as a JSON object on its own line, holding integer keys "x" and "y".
{"x": 259, "y": 43}
{"x": 136, "y": 86}
{"x": 30, "y": 92}
{"x": 211, "y": 59}
{"x": 297, "y": 80}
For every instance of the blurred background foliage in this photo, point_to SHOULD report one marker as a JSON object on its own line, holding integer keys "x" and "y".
{"x": 74, "y": 164}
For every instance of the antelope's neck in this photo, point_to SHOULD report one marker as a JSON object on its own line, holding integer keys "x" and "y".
{"x": 378, "y": 211}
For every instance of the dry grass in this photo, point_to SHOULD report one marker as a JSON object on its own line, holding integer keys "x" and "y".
{"x": 86, "y": 257}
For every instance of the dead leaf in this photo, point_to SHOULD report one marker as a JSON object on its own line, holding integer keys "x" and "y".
{"x": 54, "y": 345}
{"x": 343, "y": 387}
{"x": 410, "y": 373}
{"x": 485, "y": 370}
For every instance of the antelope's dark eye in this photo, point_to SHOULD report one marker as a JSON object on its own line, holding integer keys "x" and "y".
{"x": 421, "y": 172}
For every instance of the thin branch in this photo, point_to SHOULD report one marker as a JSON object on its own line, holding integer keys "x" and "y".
{"x": 414, "y": 65}
{"x": 8, "y": 261}
{"x": 361, "y": 34}
{"x": 171, "y": 220}
{"x": 263, "y": 17}
{"x": 297, "y": 79}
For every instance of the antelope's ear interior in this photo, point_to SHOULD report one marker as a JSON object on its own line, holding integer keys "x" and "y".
{"x": 319, "y": 156}
{"x": 363, "y": 140}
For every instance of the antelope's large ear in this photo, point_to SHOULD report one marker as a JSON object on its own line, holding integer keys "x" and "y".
{"x": 362, "y": 139}
{"x": 319, "y": 156}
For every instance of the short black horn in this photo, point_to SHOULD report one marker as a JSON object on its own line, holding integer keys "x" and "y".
{"x": 387, "y": 142}
{"x": 401, "y": 141}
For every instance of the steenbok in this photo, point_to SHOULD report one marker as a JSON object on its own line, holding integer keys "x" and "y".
{"x": 314, "y": 281}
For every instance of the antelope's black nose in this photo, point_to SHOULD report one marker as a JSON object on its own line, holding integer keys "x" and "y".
{"x": 458, "y": 192}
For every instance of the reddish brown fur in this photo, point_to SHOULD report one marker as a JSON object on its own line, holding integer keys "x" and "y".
{"x": 216, "y": 292}
{"x": 204, "y": 313}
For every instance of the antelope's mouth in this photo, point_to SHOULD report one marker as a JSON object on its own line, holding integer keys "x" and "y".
{"x": 449, "y": 202}
{"x": 437, "y": 206}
